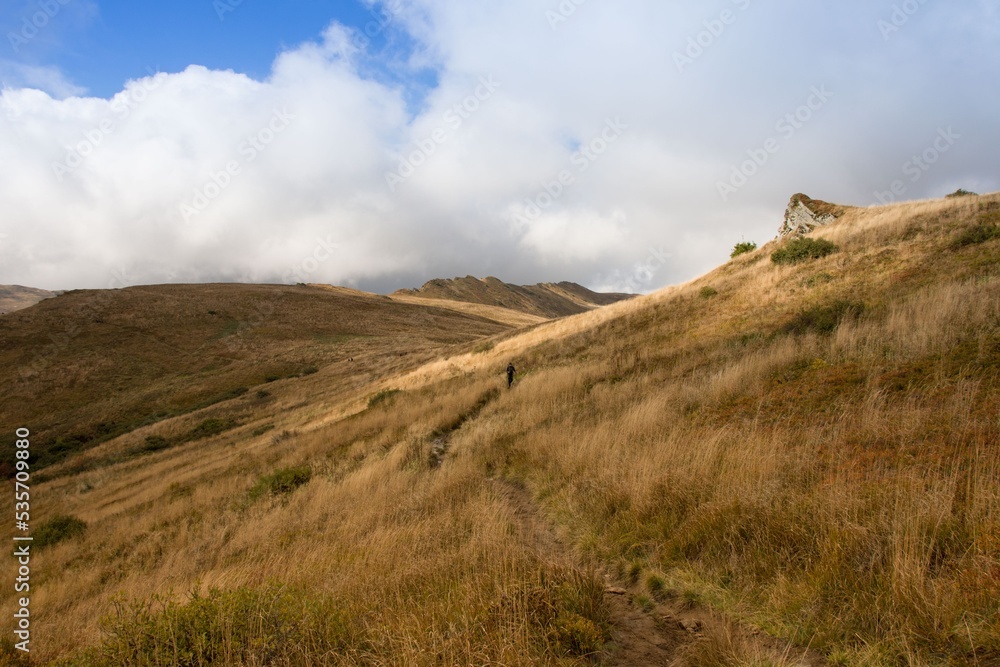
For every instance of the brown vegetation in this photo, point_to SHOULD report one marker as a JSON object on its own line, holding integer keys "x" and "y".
{"x": 812, "y": 453}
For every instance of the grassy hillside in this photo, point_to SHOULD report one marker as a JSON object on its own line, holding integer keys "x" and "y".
{"x": 16, "y": 297}
{"x": 546, "y": 300}
{"x": 92, "y": 365}
{"x": 773, "y": 457}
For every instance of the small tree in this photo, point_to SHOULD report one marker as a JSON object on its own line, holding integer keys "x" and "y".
{"x": 743, "y": 248}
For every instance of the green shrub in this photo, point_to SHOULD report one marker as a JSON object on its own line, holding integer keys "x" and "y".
{"x": 977, "y": 234}
{"x": 281, "y": 482}
{"x": 382, "y": 397}
{"x": 154, "y": 443}
{"x": 802, "y": 249}
{"x": 743, "y": 248}
{"x": 484, "y": 347}
{"x": 707, "y": 292}
{"x": 961, "y": 193}
{"x": 210, "y": 427}
{"x": 57, "y": 529}
{"x": 261, "y": 430}
{"x": 236, "y": 392}
{"x": 824, "y": 318}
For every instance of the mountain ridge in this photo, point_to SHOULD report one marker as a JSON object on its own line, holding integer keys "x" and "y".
{"x": 542, "y": 299}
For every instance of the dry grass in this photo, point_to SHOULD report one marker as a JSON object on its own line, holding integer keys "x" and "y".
{"x": 837, "y": 487}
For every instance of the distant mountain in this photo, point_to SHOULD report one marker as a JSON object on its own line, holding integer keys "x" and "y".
{"x": 16, "y": 297}
{"x": 544, "y": 299}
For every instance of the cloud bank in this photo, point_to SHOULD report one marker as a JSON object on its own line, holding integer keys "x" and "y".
{"x": 621, "y": 145}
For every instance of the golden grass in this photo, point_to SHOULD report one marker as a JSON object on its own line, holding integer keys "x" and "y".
{"x": 836, "y": 488}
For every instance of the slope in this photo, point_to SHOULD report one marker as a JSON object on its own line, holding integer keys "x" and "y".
{"x": 545, "y": 300}
{"x": 91, "y": 365}
{"x": 809, "y": 450}
{"x": 16, "y": 297}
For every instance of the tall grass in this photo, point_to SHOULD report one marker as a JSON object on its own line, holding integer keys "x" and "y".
{"x": 828, "y": 474}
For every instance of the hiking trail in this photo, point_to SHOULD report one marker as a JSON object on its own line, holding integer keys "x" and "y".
{"x": 647, "y": 632}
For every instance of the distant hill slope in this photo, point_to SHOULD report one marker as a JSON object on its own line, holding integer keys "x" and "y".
{"x": 544, "y": 299}
{"x": 16, "y": 297}
{"x": 94, "y": 364}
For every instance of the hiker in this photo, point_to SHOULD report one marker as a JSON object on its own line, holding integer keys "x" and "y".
{"x": 510, "y": 375}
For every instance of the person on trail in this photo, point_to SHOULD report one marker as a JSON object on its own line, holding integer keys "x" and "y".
{"x": 510, "y": 375}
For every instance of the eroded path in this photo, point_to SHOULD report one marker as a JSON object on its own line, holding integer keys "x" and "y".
{"x": 649, "y": 633}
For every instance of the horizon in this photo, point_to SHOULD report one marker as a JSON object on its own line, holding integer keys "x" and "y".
{"x": 391, "y": 143}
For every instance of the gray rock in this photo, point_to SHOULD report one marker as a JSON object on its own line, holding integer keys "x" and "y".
{"x": 804, "y": 214}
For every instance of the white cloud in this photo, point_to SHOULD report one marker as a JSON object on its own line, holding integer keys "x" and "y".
{"x": 47, "y": 79}
{"x": 288, "y": 175}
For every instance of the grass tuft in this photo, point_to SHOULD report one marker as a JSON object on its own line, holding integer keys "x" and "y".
{"x": 382, "y": 397}
{"x": 58, "y": 529}
{"x": 281, "y": 482}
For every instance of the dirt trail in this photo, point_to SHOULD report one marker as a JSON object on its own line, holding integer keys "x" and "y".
{"x": 647, "y": 632}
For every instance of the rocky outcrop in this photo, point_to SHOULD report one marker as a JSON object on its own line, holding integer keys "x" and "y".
{"x": 805, "y": 214}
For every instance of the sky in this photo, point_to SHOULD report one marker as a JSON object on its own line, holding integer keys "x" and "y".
{"x": 623, "y": 145}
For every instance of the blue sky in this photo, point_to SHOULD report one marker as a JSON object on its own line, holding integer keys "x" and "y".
{"x": 98, "y": 46}
{"x": 622, "y": 145}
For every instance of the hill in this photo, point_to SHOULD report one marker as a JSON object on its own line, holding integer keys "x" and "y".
{"x": 544, "y": 300}
{"x": 95, "y": 364}
{"x": 791, "y": 460}
{"x": 16, "y": 297}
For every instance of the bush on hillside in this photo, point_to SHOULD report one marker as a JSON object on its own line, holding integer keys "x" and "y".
{"x": 977, "y": 234}
{"x": 210, "y": 427}
{"x": 382, "y": 397}
{"x": 825, "y": 318}
{"x": 802, "y": 249}
{"x": 57, "y": 529}
{"x": 743, "y": 248}
{"x": 281, "y": 482}
{"x": 961, "y": 193}
{"x": 154, "y": 443}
